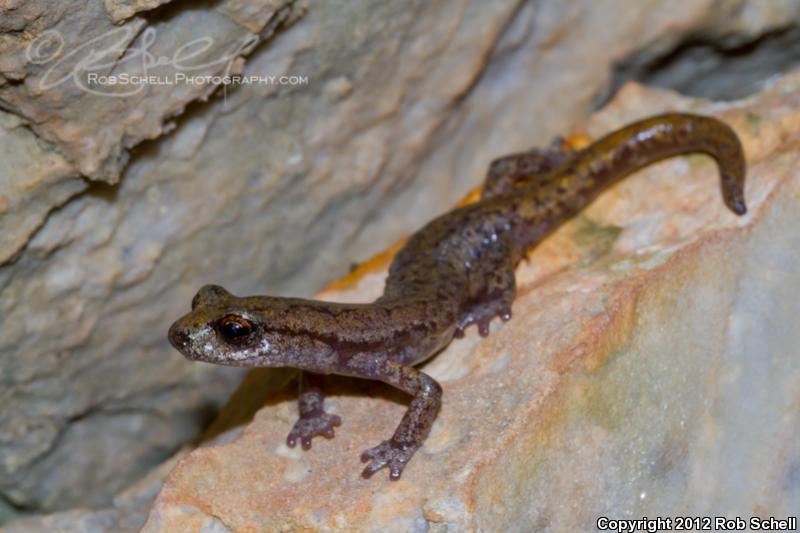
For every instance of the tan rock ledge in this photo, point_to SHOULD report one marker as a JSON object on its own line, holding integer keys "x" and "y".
{"x": 651, "y": 369}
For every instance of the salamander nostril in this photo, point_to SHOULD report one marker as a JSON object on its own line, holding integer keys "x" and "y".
{"x": 178, "y": 338}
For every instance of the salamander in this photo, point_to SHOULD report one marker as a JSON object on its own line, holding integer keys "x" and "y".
{"x": 456, "y": 271}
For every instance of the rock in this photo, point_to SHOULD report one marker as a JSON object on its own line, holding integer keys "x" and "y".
{"x": 33, "y": 180}
{"x": 129, "y": 508}
{"x": 56, "y": 52}
{"x": 127, "y": 514}
{"x": 269, "y": 187}
{"x": 649, "y": 370}
{"x": 120, "y": 10}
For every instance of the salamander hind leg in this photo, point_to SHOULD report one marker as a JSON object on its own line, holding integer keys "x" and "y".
{"x": 493, "y": 300}
{"x": 313, "y": 419}
{"x": 506, "y": 171}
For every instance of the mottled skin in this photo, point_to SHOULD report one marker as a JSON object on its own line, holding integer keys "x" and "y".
{"x": 456, "y": 271}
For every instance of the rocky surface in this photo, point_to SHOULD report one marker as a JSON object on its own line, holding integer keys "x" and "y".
{"x": 33, "y": 179}
{"x": 125, "y": 515}
{"x": 51, "y": 51}
{"x": 127, "y": 511}
{"x": 650, "y": 369}
{"x": 120, "y": 10}
{"x": 270, "y": 187}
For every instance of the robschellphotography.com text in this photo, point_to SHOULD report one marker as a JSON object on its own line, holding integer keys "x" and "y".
{"x": 188, "y": 79}
{"x": 136, "y": 66}
{"x": 697, "y": 523}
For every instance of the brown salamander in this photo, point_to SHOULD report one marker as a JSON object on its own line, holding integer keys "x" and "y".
{"x": 456, "y": 271}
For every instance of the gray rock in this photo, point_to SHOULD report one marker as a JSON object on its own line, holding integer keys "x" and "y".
{"x": 55, "y": 51}
{"x": 120, "y": 10}
{"x": 126, "y": 513}
{"x": 34, "y": 179}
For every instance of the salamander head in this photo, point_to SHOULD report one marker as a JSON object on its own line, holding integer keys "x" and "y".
{"x": 218, "y": 330}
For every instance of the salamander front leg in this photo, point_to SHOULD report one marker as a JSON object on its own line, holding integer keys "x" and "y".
{"x": 416, "y": 424}
{"x": 313, "y": 418}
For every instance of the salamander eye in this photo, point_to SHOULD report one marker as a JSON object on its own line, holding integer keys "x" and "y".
{"x": 235, "y": 329}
